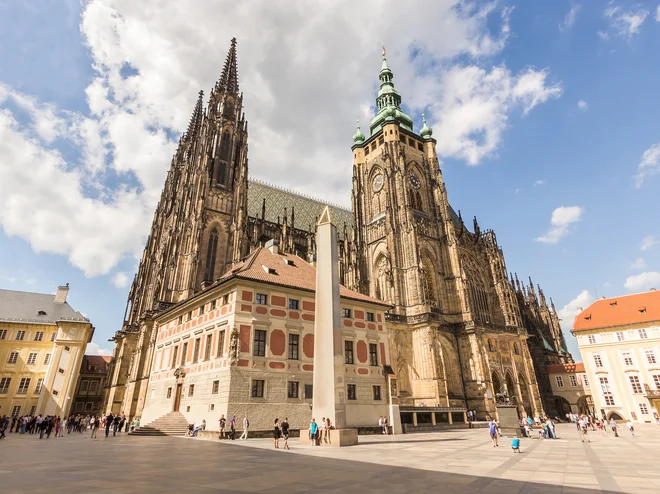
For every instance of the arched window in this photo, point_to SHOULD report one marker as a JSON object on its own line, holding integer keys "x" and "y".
{"x": 427, "y": 280}
{"x": 516, "y": 350}
{"x": 418, "y": 201}
{"x": 209, "y": 270}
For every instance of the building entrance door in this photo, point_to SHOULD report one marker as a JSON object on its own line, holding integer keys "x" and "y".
{"x": 177, "y": 397}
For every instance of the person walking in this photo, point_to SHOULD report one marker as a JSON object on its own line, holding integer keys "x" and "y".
{"x": 94, "y": 424}
{"x": 276, "y": 434}
{"x": 584, "y": 430}
{"x": 492, "y": 429}
{"x": 285, "y": 432}
{"x": 222, "y": 423}
{"x": 630, "y": 427}
{"x": 108, "y": 423}
{"x": 246, "y": 426}
{"x": 232, "y": 427}
{"x": 313, "y": 428}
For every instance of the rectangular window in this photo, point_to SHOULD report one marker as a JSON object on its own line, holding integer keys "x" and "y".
{"x": 53, "y": 336}
{"x": 348, "y": 352}
{"x": 209, "y": 343}
{"x": 180, "y": 321}
{"x": 259, "y": 343}
{"x": 191, "y": 389}
{"x": 67, "y": 349}
{"x": 635, "y": 384}
{"x": 257, "y": 388}
{"x": 642, "y": 334}
{"x": 60, "y": 370}
{"x": 215, "y": 387}
{"x": 371, "y": 317}
{"x": 607, "y": 392}
{"x": 93, "y": 386}
{"x": 592, "y": 339}
{"x": 79, "y": 406}
{"x": 294, "y": 347}
{"x": 573, "y": 380}
{"x": 225, "y": 299}
{"x": 351, "y": 392}
{"x": 3, "y": 334}
{"x": 597, "y": 361}
{"x": 169, "y": 392}
{"x": 309, "y": 391}
{"x": 198, "y": 344}
{"x": 650, "y": 357}
{"x": 560, "y": 381}
{"x": 373, "y": 354}
{"x": 33, "y": 410}
{"x": 261, "y": 299}
{"x": 293, "y": 304}
{"x": 585, "y": 379}
{"x": 214, "y": 304}
{"x": 32, "y": 359}
{"x": 221, "y": 343}
{"x": 292, "y": 389}
{"x": 13, "y": 358}
{"x": 55, "y": 392}
{"x": 620, "y": 336}
{"x": 47, "y": 359}
{"x": 377, "y": 393}
{"x": 88, "y": 406}
{"x": 201, "y": 309}
{"x": 346, "y": 312}
{"x": 16, "y": 411}
{"x": 40, "y": 383}
{"x": 4, "y": 385}
{"x": 643, "y": 408}
{"x": 175, "y": 354}
{"x": 20, "y": 335}
{"x": 656, "y": 381}
{"x": 627, "y": 358}
{"x": 184, "y": 353}
{"x": 38, "y": 336}
{"x": 23, "y": 386}
{"x": 83, "y": 386}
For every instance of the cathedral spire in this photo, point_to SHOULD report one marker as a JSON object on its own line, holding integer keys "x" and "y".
{"x": 196, "y": 118}
{"x": 388, "y": 102}
{"x": 229, "y": 78}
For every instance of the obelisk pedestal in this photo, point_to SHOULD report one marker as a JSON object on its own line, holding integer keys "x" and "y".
{"x": 329, "y": 399}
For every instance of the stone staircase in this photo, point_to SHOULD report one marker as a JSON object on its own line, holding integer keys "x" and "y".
{"x": 172, "y": 424}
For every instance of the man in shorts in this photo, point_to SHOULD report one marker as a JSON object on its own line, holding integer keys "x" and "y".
{"x": 221, "y": 425}
{"x": 492, "y": 429}
{"x": 285, "y": 432}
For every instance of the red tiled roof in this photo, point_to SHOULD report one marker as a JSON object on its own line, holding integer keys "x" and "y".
{"x": 100, "y": 361}
{"x": 619, "y": 311}
{"x": 559, "y": 368}
{"x": 300, "y": 275}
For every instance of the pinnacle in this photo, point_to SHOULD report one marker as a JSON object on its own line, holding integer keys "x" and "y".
{"x": 196, "y": 118}
{"x": 229, "y": 78}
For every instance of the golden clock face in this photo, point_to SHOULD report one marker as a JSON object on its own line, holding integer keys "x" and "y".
{"x": 414, "y": 181}
{"x": 378, "y": 183}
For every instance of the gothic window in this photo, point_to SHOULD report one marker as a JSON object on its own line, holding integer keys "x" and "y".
{"x": 210, "y": 255}
{"x": 228, "y": 109}
{"x": 477, "y": 294}
{"x": 416, "y": 200}
{"x": 427, "y": 279}
{"x": 383, "y": 281}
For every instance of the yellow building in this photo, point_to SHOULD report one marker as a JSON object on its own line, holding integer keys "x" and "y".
{"x": 570, "y": 389}
{"x": 42, "y": 343}
{"x": 619, "y": 339}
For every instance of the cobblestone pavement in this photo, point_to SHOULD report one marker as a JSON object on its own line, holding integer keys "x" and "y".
{"x": 459, "y": 461}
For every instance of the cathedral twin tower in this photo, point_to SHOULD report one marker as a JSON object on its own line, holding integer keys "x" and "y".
{"x": 462, "y": 330}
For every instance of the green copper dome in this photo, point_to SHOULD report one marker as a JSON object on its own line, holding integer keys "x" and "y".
{"x": 358, "y": 138}
{"x": 426, "y": 131}
{"x": 388, "y": 102}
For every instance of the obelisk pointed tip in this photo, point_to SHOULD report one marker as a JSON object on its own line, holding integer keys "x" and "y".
{"x": 325, "y": 217}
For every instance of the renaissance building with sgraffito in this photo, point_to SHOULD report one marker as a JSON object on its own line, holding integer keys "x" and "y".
{"x": 461, "y": 329}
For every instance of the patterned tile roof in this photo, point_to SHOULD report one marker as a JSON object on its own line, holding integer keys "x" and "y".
{"x": 560, "y": 368}
{"x": 262, "y": 265}
{"x": 39, "y": 308}
{"x": 620, "y": 311}
{"x": 307, "y": 209}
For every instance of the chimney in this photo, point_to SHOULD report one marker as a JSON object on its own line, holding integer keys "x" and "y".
{"x": 273, "y": 246}
{"x": 62, "y": 292}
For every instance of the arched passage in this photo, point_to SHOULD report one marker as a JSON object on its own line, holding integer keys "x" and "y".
{"x": 562, "y": 406}
{"x": 497, "y": 383}
{"x": 585, "y": 405}
{"x": 614, "y": 415}
{"x": 525, "y": 395}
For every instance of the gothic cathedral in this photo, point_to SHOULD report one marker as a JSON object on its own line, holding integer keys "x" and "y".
{"x": 464, "y": 333}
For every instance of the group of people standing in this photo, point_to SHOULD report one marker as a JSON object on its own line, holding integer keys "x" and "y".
{"x": 45, "y": 425}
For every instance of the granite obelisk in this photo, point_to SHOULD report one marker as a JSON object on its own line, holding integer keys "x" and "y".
{"x": 329, "y": 390}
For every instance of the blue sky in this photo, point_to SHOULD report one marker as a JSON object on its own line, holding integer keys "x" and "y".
{"x": 543, "y": 111}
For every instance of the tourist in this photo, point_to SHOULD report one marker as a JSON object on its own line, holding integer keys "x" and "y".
{"x": 285, "y": 432}
{"x": 62, "y": 427}
{"x": 492, "y": 429}
{"x": 583, "y": 429}
{"x": 630, "y": 427}
{"x": 58, "y": 425}
{"x": 380, "y": 424}
{"x": 515, "y": 445}
{"x": 49, "y": 426}
{"x": 320, "y": 431}
{"x": 198, "y": 427}
{"x": 115, "y": 424}
{"x": 328, "y": 426}
{"x": 528, "y": 430}
{"x": 599, "y": 426}
{"x": 121, "y": 422}
{"x": 551, "y": 428}
{"x": 246, "y": 426}
{"x": 232, "y": 427}
{"x": 222, "y": 423}
{"x": 385, "y": 426}
{"x": 4, "y": 423}
{"x": 276, "y": 434}
{"x": 313, "y": 427}
{"x": 614, "y": 427}
{"x": 94, "y": 424}
{"x": 108, "y": 423}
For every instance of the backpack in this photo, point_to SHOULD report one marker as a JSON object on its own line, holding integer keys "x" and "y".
{"x": 247, "y": 423}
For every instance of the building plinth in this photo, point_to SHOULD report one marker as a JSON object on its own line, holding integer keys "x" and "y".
{"x": 337, "y": 438}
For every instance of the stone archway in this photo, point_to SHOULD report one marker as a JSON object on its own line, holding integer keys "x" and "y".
{"x": 525, "y": 396}
{"x": 562, "y": 406}
{"x": 497, "y": 383}
{"x": 585, "y": 405}
{"x": 615, "y": 416}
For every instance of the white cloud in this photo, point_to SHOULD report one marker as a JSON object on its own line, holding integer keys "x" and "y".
{"x": 582, "y": 105}
{"x": 540, "y": 182}
{"x": 650, "y": 164}
{"x": 569, "y": 20}
{"x": 649, "y": 242}
{"x": 289, "y": 62}
{"x": 603, "y": 35}
{"x": 639, "y": 264}
{"x": 560, "y": 222}
{"x": 94, "y": 349}
{"x": 626, "y": 23}
{"x": 643, "y": 281}
{"x": 607, "y": 284}
{"x": 120, "y": 280}
{"x": 570, "y": 310}
{"x": 657, "y": 14}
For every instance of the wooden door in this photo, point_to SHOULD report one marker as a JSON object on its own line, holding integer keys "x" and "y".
{"x": 177, "y": 397}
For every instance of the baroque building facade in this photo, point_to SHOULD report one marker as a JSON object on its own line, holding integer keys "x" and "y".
{"x": 462, "y": 330}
